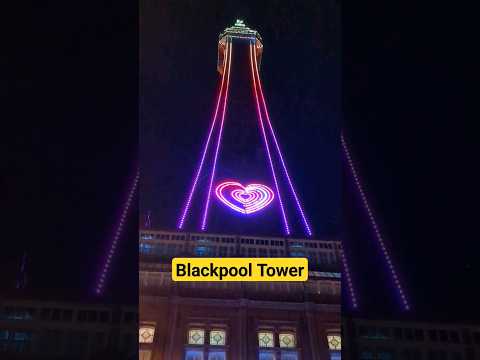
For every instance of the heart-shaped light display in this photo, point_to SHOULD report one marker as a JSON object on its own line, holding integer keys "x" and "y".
{"x": 244, "y": 199}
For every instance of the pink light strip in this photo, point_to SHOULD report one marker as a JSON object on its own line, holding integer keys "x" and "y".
{"x": 299, "y": 206}
{"x": 199, "y": 170}
{"x": 106, "y": 267}
{"x": 375, "y": 227}
{"x": 207, "y": 203}
{"x": 260, "y": 119}
{"x": 350, "y": 287}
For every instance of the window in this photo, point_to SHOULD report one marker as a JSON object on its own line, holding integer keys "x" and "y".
{"x": 266, "y": 355}
{"x": 216, "y": 355}
{"x": 104, "y": 315}
{"x": 335, "y": 346}
{"x": 194, "y": 354}
{"x": 206, "y": 344}
{"x": 98, "y": 341}
{"x": 288, "y": 355}
{"x": 223, "y": 251}
{"x": 67, "y": 315}
{"x": 454, "y": 337}
{"x": 286, "y": 340}
{"x": 476, "y": 337}
{"x": 443, "y": 336}
{"x": 384, "y": 355}
{"x": 418, "y": 335}
{"x": 92, "y": 316}
{"x": 334, "y": 342}
{"x": 457, "y": 356}
{"x": 467, "y": 339}
{"x": 217, "y": 337}
{"x": 4, "y": 334}
{"x": 82, "y": 316}
{"x": 196, "y": 336}
{"x": 21, "y": 341}
{"x": 283, "y": 350}
{"x": 265, "y": 339}
{"x": 45, "y": 314}
{"x": 146, "y": 334}
{"x": 367, "y": 355}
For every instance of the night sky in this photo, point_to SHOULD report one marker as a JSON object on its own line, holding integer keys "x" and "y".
{"x": 71, "y": 150}
{"x": 301, "y": 78}
{"x": 73, "y": 144}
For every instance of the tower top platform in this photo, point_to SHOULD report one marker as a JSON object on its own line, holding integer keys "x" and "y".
{"x": 240, "y": 30}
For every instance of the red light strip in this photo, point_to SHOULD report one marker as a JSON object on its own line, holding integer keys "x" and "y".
{"x": 212, "y": 177}
{"x": 290, "y": 183}
{"x": 260, "y": 119}
{"x": 181, "y": 221}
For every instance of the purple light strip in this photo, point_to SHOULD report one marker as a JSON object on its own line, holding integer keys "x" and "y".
{"x": 106, "y": 267}
{"x": 299, "y": 206}
{"x": 350, "y": 287}
{"x": 260, "y": 119}
{"x": 375, "y": 227}
{"x": 207, "y": 203}
{"x": 200, "y": 166}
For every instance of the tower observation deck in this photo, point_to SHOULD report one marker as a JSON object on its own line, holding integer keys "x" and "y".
{"x": 238, "y": 31}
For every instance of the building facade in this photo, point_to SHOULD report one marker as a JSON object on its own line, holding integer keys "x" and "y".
{"x": 366, "y": 339}
{"x": 238, "y": 320}
{"x": 32, "y": 329}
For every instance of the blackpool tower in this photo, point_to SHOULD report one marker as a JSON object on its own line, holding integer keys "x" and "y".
{"x": 242, "y": 182}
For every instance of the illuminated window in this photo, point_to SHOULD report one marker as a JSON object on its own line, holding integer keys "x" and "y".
{"x": 217, "y": 337}
{"x": 265, "y": 339}
{"x": 146, "y": 334}
{"x": 266, "y": 355}
{"x": 335, "y": 346}
{"x": 334, "y": 342}
{"x": 216, "y": 355}
{"x": 194, "y": 354}
{"x": 144, "y": 354}
{"x": 196, "y": 336}
{"x": 202, "y": 350}
{"x": 289, "y": 355}
{"x": 286, "y": 340}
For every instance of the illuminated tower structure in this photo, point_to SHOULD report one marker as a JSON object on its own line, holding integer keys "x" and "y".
{"x": 242, "y": 202}
{"x": 242, "y": 167}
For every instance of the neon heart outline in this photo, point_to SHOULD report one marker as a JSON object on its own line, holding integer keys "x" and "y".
{"x": 259, "y": 196}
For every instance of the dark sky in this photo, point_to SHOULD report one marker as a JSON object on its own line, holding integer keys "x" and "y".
{"x": 73, "y": 142}
{"x": 301, "y": 76}
{"x": 405, "y": 107}
{"x": 71, "y": 149}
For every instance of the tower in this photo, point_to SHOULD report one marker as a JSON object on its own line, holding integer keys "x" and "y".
{"x": 242, "y": 202}
{"x": 242, "y": 167}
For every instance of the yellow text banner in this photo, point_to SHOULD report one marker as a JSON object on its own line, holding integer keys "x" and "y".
{"x": 240, "y": 269}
